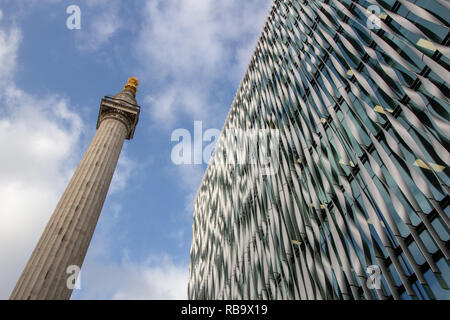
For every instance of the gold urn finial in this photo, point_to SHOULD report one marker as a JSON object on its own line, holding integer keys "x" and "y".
{"x": 132, "y": 84}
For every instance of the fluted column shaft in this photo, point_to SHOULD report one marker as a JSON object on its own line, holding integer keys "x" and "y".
{"x": 67, "y": 235}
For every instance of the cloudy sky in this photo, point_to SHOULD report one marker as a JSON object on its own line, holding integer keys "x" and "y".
{"x": 189, "y": 55}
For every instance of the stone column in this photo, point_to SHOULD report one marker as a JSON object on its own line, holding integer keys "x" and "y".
{"x": 67, "y": 235}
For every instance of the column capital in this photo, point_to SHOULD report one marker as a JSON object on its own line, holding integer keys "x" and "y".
{"x": 121, "y": 110}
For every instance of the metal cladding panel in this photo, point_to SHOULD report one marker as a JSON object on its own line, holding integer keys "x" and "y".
{"x": 358, "y": 93}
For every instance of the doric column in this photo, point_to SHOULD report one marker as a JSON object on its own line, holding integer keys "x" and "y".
{"x": 66, "y": 238}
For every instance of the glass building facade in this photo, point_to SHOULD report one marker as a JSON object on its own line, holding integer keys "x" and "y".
{"x": 358, "y": 91}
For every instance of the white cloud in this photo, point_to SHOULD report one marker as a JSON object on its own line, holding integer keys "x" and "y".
{"x": 124, "y": 170}
{"x": 196, "y": 45}
{"x": 177, "y": 235}
{"x": 9, "y": 43}
{"x": 175, "y": 101}
{"x": 100, "y": 21}
{"x": 39, "y": 142}
{"x": 158, "y": 277}
{"x": 163, "y": 107}
{"x": 39, "y": 139}
{"x": 189, "y": 177}
{"x": 109, "y": 272}
{"x": 199, "y": 36}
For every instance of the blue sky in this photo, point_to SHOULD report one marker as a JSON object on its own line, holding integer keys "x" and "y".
{"x": 189, "y": 55}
